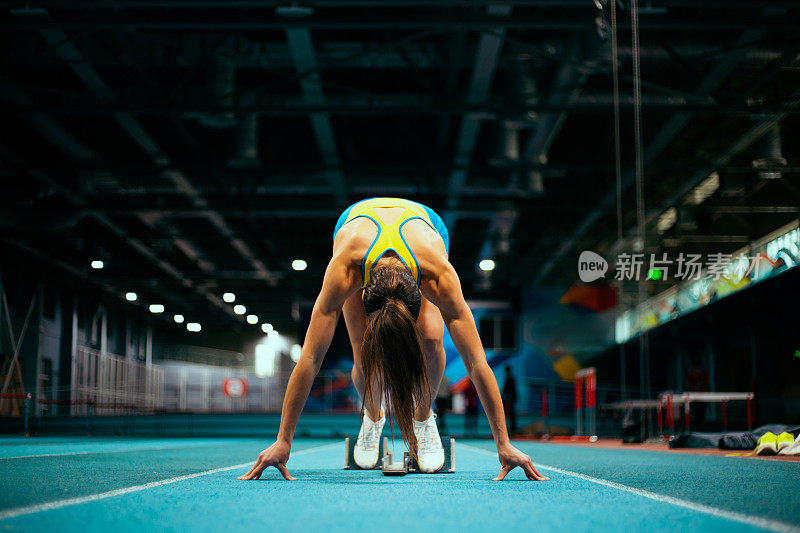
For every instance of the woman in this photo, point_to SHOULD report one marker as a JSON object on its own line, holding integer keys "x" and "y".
{"x": 390, "y": 277}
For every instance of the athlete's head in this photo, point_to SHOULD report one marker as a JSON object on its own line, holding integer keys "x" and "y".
{"x": 391, "y": 352}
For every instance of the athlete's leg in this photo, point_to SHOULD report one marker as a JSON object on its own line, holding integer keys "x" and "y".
{"x": 431, "y": 328}
{"x": 356, "y": 320}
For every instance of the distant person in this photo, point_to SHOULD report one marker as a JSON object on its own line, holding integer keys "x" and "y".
{"x": 697, "y": 381}
{"x": 444, "y": 401}
{"x": 471, "y": 414}
{"x": 510, "y": 400}
{"x": 391, "y": 279}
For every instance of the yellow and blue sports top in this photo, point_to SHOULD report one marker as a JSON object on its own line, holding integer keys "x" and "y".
{"x": 390, "y": 236}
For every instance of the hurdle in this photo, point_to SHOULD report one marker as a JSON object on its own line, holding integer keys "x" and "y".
{"x": 672, "y": 401}
{"x": 586, "y": 378}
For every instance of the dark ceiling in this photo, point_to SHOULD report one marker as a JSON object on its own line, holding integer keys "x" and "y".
{"x": 199, "y": 146}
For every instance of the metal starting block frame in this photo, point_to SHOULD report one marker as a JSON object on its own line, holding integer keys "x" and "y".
{"x": 409, "y": 466}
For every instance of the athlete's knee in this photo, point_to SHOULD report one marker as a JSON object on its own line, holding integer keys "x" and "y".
{"x": 432, "y": 346}
{"x": 357, "y": 374}
{"x": 431, "y": 334}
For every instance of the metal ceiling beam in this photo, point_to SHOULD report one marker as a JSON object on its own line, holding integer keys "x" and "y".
{"x": 484, "y": 66}
{"x": 162, "y": 5}
{"x": 83, "y": 209}
{"x": 86, "y": 73}
{"x": 190, "y": 212}
{"x": 709, "y": 239}
{"x": 192, "y": 102}
{"x": 666, "y": 134}
{"x": 188, "y": 49}
{"x": 394, "y": 23}
{"x": 754, "y": 209}
{"x": 302, "y": 51}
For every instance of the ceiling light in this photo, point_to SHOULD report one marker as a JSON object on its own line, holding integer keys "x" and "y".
{"x": 193, "y": 326}
{"x": 252, "y": 319}
{"x": 705, "y": 189}
{"x": 299, "y": 264}
{"x": 296, "y": 351}
{"x": 667, "y": 220}
{"x": 131, "y": 296}
{"x": 178, "y": 319}
{"x": 239, "y": 309}
{"x": 156, "y": 308}
{"x": 228, "y": 297}
{"x": 266, "y": 327}
{"x": 486, "y": 265}
{"x": 97, "y": 265}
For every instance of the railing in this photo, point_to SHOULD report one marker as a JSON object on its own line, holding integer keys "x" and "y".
{"x": 110, "y": 384}
{"x": 208, "y": 389}
{"x": 201, "y": 355}
{"x": 553, "y": 402}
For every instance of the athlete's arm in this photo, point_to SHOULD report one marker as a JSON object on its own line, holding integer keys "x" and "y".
{"x": 339, "y": 282}
{"x": 443, "y": 288}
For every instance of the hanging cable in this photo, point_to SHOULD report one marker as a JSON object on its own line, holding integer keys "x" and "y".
{"x": 618, "y": 178}
{"x": 644, "y": 343}
{"x": 637, "y": 125}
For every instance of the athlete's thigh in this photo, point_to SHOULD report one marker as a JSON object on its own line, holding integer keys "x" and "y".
{"x": 356, "y": 320}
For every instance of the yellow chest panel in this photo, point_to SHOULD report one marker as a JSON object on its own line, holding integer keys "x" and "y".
{"x": 389, "y": 235}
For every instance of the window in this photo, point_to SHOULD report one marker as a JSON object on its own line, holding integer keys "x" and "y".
{"x": 498, "y": 332}
{"x": 486, "y": 331}
{"x": 508, "y": 333}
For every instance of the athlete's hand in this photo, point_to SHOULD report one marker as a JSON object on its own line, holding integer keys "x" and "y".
{"x": 276, "y": 455}
{"x": 511, "y": 458}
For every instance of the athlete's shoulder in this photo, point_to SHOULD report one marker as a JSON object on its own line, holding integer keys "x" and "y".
{"x": 432, "y": 257}
{"x": 351, "y": 239}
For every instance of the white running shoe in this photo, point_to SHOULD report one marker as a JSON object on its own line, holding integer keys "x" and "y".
{"x": 792, "y": 449}
{"x": 365, "y": 452}
{"x": 430, "y": 453}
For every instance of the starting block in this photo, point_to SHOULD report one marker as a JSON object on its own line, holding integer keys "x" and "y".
{"x": 409, "y": 466}
{"x": 393, "y": 469}
{"x": 349, "y": 462}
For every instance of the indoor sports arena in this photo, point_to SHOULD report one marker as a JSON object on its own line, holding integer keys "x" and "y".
{"x": 408, "y": 265}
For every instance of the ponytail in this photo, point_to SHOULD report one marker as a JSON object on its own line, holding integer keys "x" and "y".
{"x": 391, "y": 352}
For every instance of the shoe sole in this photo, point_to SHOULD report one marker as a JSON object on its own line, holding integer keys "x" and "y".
{"x": 367, "y": 467}
{"x": 790, "y": 451}
{"x": 433, "y": 471}
{"x": 767, "y": 450}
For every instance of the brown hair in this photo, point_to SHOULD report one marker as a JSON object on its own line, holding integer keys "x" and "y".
{"x": 391, "y": 352}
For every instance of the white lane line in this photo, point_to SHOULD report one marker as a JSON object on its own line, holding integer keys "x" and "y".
{"x": 19, "y": 511}
{"x": 99, "y": 452}
{"x": 764, "y": 523}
